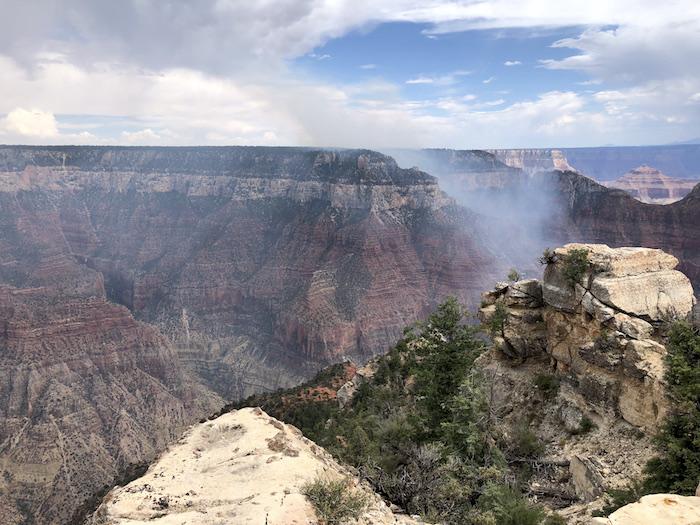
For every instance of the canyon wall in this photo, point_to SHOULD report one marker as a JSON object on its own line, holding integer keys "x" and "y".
{"x": 142, "y": 287}
{"x": 86, "y": 390}
{"x": 524, "y": 212}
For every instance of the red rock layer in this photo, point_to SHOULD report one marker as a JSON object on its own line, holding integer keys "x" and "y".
{"x": 649, "y": 185}
{"x": 258, "y": 265}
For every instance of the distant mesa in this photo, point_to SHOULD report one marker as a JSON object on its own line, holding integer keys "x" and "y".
{"x": 649, "y": 185}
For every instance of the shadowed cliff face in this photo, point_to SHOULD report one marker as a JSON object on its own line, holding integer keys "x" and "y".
{"x": 139, "y": 287}
{"x": 523, "y": 212}
{"x": 592, "y": 213}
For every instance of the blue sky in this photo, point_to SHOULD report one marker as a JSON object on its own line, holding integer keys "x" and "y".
{"x": 464, "y": 63}
{"x": 361, "y": 73}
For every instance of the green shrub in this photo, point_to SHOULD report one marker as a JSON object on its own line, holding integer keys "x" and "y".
{"x": 574, "y": 265}
{"x": 525, "y": 443}
{"x": 585, "y": 426}
{"x": 496, "y": 324}
{"x": 547, "y": 384}
{"x": 547, "y": 257}
{"x": 502, "y": 505}
{"x": 677, "y": 469}
{"x": 617, "y": 498}
{"x": 335, "y": 501}
{"x": 513, "y": 275}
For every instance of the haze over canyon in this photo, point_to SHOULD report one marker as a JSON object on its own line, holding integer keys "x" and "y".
{"x": 142, "y": 288}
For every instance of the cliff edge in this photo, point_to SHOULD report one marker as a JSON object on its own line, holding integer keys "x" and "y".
{"x": 242, "y": 467}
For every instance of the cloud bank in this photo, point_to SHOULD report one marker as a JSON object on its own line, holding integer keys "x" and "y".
{"x": 222, "y": 72}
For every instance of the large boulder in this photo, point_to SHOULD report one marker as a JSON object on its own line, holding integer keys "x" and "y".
{"x": 656, "y": 509}
{"x": 640, "y": 282}
{"x": 657, "y": 295}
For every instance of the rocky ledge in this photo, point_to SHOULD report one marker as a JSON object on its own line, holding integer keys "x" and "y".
{"x": 243, "y": 467}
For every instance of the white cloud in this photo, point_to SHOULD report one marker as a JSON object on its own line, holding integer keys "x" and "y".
{"x": 420, "y": 80}
{"x": 145, "y": 136}
{"x": 510, "y": 63}
{"x": 488, "y": 80}
{"x": 368, "y": 66}
{"x": 216, "y": 71}
{"x": 31, "y": 123}
{"x": 634, "y": 53}
{"x": 440, "y": 80}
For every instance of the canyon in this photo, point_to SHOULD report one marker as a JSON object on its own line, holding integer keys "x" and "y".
{"x": 142, "y": 288}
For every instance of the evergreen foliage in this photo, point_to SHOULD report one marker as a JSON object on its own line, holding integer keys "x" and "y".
{"x": 677, "y": 469}
{"x": 574, "y": 265}
{"x": 420, "y": 430}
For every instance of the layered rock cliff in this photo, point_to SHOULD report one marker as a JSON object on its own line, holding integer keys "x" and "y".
{"x": 585, "y": 211}
{"x": 608, "y": 163}
{"x": 532, "y": 161}
{"x": 526, "y": 210}
{"x": 649, "y": 185}
{"x": 140, "y": 287}
{"x": 579, "y": 356}
{"x": 243, "y": 467}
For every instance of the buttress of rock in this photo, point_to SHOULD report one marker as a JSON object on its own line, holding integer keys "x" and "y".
{"x": 601, "y": 331}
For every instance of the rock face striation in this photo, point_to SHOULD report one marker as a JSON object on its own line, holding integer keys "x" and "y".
{"x": 649, "y": 185}
{"x": 586, "y": 211}
{"x": 140, "y": 288}
{"x": 243, "y": 467}
{"x": 532, "y": 161}
{"x": 588, "y": 338}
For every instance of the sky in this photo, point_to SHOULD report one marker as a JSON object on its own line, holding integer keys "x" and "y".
{"x": 356, "y": 73}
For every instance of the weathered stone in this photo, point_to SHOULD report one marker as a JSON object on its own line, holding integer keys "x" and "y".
{"x": 656, "y": 509}
{"x": 558, "y": 292}
{"x": 597, "y": 309}
{"x": 571, "y": 417}
{"x": 621, "y": 262}
{"x": 632, "y": 326}
{"x": 585, "y": 474}
{"x": 656, "y": 295}
{"x": 646, "y": 357}
{"x": 606, "y": 356}
{"x": 524, "y": 293}
{"x": 348, "y": 390}
{"x": 243, "y": 467}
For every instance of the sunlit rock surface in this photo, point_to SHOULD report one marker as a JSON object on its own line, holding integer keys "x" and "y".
{"x": 244, "y": 467}
{"x": 656, "y": 509}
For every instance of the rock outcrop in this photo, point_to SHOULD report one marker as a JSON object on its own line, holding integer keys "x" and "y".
{"x": 599, "y": 326}
{"x": 243, "y": 467}
{"x": 585, "y": 211}
{"x": 649, "y": 185}
{"x": 588, "y": 338}
{"x": 656, "y": 509}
